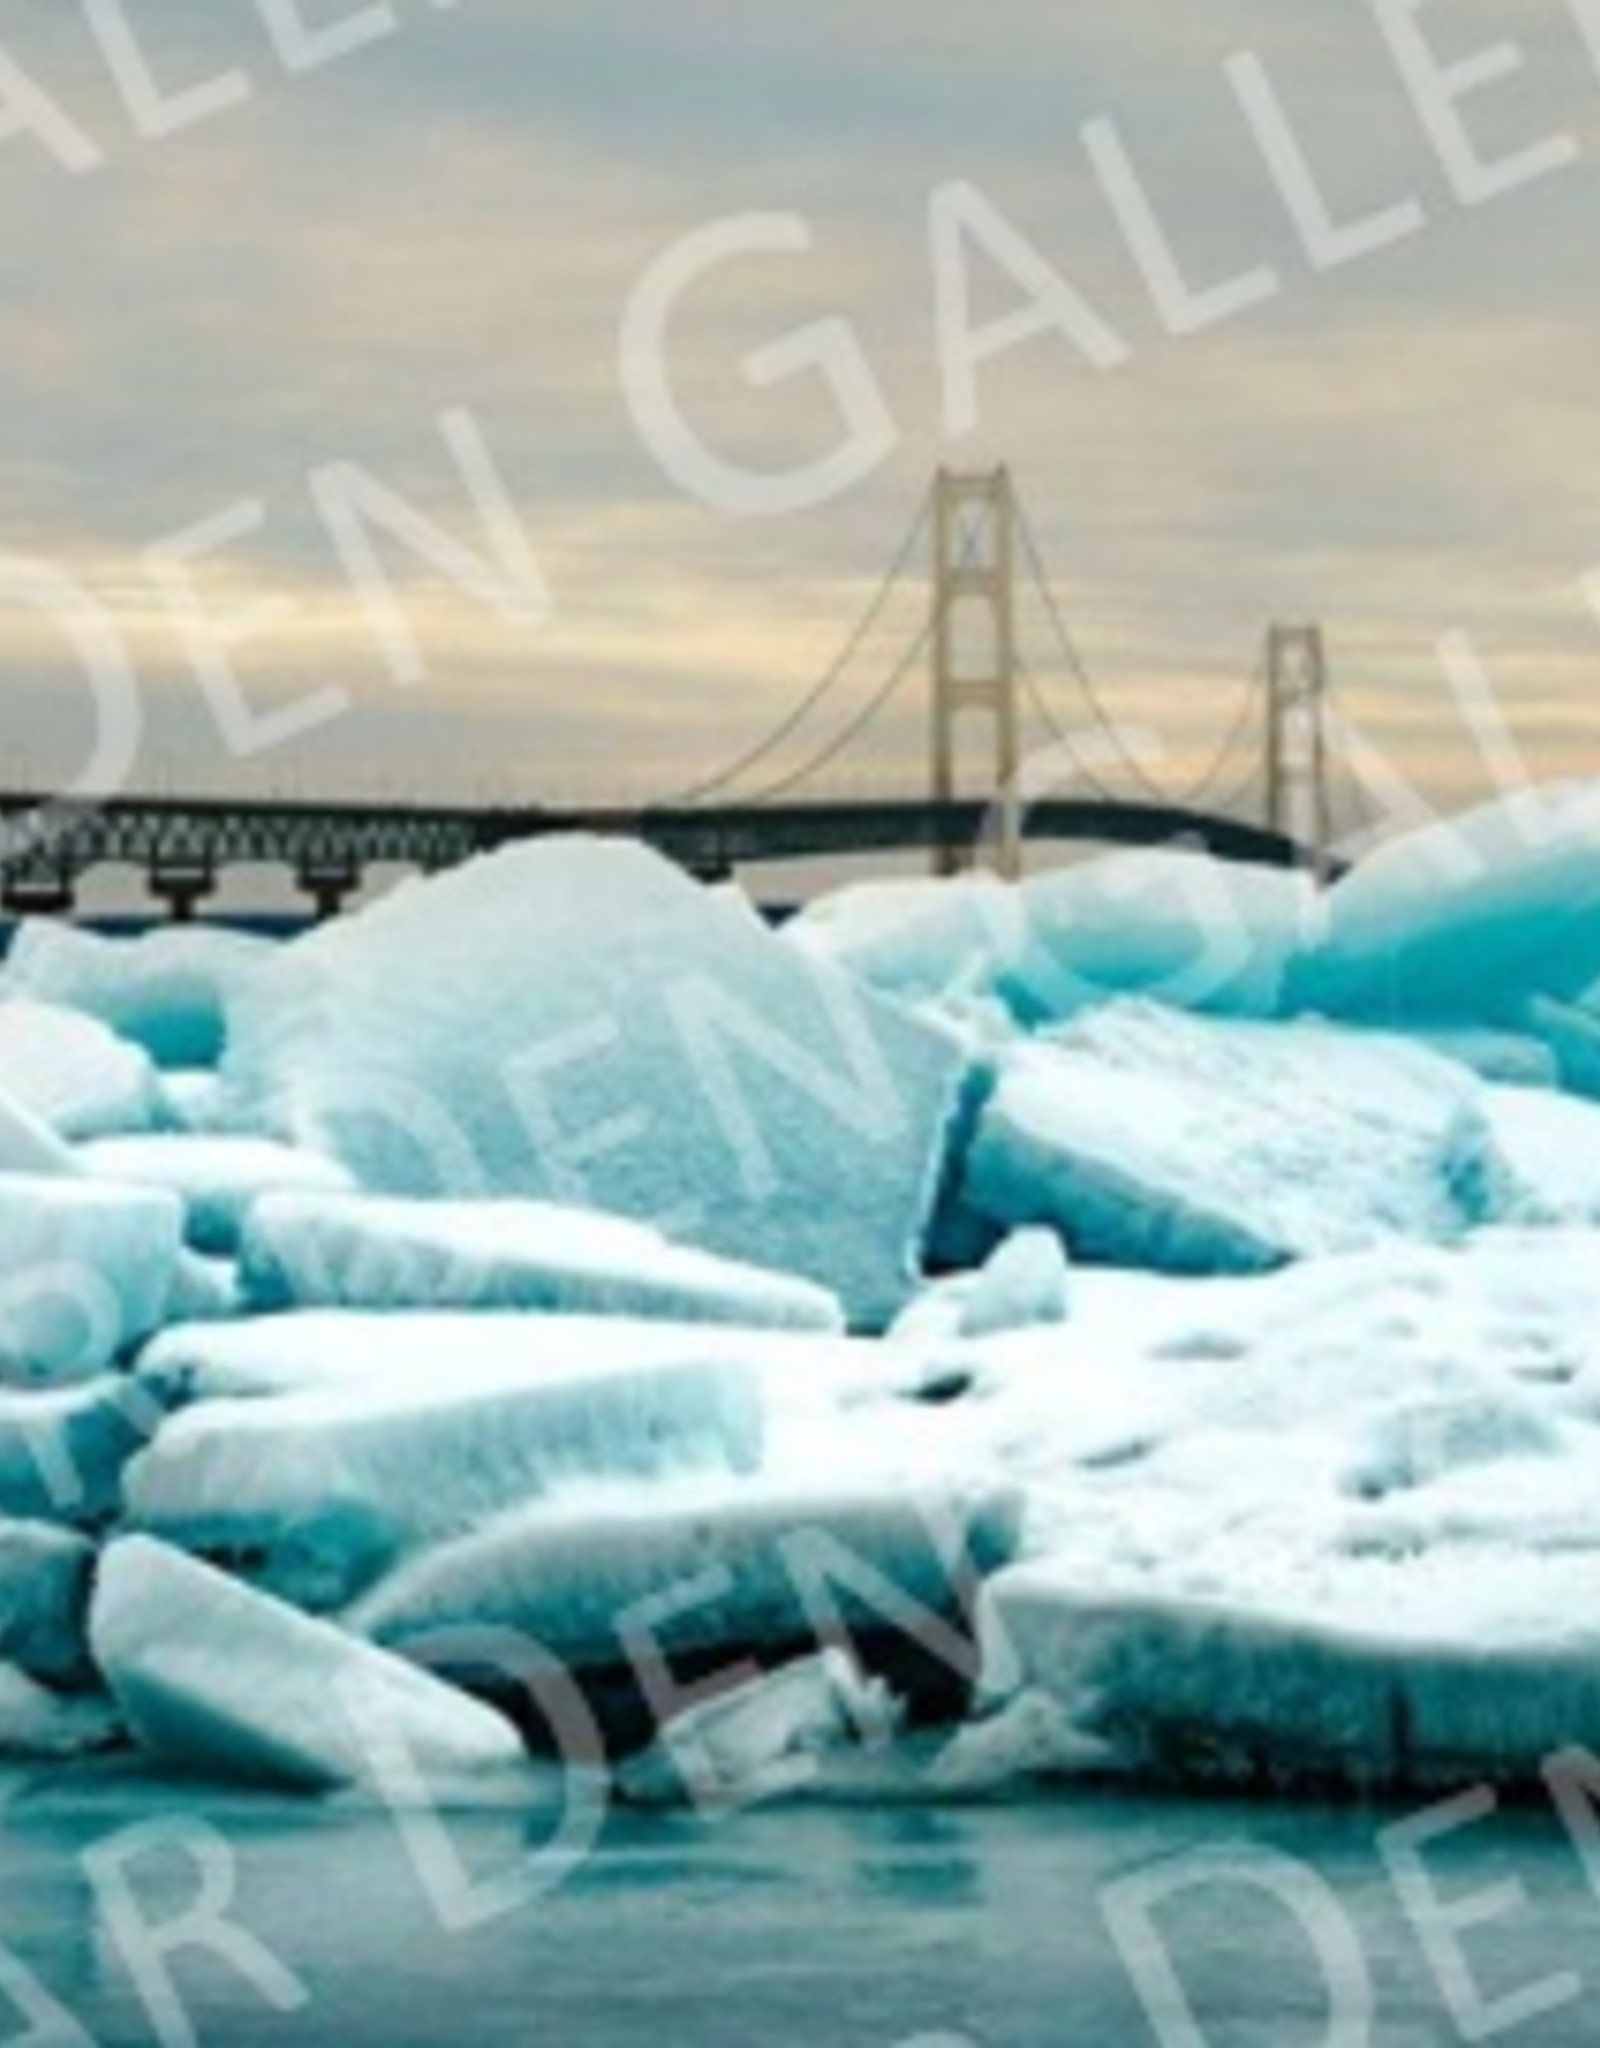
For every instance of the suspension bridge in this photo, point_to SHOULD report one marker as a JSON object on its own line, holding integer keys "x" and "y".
{"x": 1021, "y": 746}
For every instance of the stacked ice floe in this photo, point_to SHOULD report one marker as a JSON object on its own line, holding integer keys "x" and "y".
{"x": 1151, "y": 1310}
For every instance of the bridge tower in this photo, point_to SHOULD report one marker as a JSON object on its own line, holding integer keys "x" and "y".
{"x": 1298, "y": 805}
{"x": 973, "y": 651}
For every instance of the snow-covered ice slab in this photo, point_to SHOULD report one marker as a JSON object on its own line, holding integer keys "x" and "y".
{"x": 217, "y": 1179}
{"x": 77, "y": 1077}
{"x": 166, "y": 991}
{"x": 1178, "y": 927}
{"x": 609, "y": 1579}
{"x": 577, "y": 1021}
{"x": 313, "y": 1495}
{"x": 219, "y": 1677}
{"x": 86, "y": 1272}
{"x": 920, "y": 939}
{"x": 1468, "y": 918}
{"x": 1204, "y": 1691}
{"x": 1335, "y": 1524}
{"x": 1222, "y": 1434}
{"x": 324, "y": 1350}
{"x": 44, "y": 1598}
{"x": 303, "y": 1251}
{"x": 1180, "y": 1144}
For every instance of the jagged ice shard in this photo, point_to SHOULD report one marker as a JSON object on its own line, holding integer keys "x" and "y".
{"x": 219, "y": 1677}
{"x": 577, "y": 1021}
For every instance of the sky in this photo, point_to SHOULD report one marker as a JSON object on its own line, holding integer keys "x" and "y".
{"x": 452, "y": 218}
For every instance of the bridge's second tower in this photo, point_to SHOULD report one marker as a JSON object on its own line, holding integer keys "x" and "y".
{"x": 1297, "y": 743}
{"x": 973, "y": 651}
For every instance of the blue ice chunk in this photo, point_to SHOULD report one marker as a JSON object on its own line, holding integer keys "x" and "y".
{"x": 924, "y": 940}
{"x": 44, "y": 1599}
{"x": 722, "y": 1565}
{"x": 44, "y": 1725}
{"x": 224, "y": 1679}
{"x": 1191, "y": 1145}
{"x": 1263, "y": 1694}
{"x": 762, "y": 1739}
{"x": 166, "y": 991}
{"x": 1513, "y": 1059}
{"x": 312, "y": 1495}
{"x": 1571, "y": 1031}
{"x": 576, "y": 1021}
{"x": 1469, "y": 918}
{"x": 63, "y": 1451}
{"x": 1176, "y": 927}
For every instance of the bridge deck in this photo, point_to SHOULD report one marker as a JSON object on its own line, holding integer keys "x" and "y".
{"x": 183, "y": 844}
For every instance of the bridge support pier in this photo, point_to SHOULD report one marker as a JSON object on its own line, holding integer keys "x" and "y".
{"x": 182, "y": 889}
{"x": 329, "y": 884}
{"x": 39, "y": 895}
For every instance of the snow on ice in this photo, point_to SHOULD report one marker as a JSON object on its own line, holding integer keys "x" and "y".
{"x": 165, "y": 991}
{"x": 76, "y": 1076}
{"x": 306, "y": 1251}
{"x": 1547, "y": 1155}
{"x": 218, "y": 1180}
{"x": 1024, "y": 1281}
{"x": 952, "y": 940}
{"x": 325, "y": 1350}
{"x": 1332, "y": 1527}
{"x": 1180, "y": 1144}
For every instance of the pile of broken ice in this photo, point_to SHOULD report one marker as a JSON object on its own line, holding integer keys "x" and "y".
{"x": 1144, "y": 1320}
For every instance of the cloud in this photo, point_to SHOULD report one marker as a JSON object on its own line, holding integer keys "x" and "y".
{"x": 457, "y": 217}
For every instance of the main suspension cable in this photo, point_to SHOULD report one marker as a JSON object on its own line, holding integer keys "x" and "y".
{"x": 831, "y": 676}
